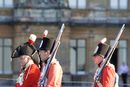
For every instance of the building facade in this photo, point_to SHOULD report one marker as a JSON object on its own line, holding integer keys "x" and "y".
{"x": 86, "y": 23}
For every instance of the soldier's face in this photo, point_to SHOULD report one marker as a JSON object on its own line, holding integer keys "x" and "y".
{"x": 97, "y": 59}
{"x": 23, "y": 60}
{"x": 44, "y": 55}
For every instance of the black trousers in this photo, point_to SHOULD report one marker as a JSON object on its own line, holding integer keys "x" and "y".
{"x": 124, "y": 78}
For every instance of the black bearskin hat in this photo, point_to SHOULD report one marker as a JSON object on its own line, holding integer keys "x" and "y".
{"x": 101, "y": 49}
{"x": 48, "y": 44}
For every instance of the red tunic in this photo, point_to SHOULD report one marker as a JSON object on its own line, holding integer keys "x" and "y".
{"x": 54, "y": 76}
{"x": 30, "y": 77}
{"x": 108, "y": 76}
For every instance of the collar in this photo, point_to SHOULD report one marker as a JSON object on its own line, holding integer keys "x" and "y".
{"x": 54, "y": 60}
{"x": 46, "y": 61}
{"x": 28, "y": 64}
{"x": 100, "y": 64}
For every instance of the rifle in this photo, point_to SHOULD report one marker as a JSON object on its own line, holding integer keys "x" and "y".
{"x": 54, "y": 51}
{"x": 106, "y": 61}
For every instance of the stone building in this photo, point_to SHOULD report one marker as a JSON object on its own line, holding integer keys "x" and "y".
{"x": 86, "y": 23}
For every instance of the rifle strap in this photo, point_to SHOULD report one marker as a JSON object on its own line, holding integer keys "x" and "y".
{"x": 99, "y": 83}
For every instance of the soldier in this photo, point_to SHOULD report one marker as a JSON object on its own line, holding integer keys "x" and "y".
{"x": 108, "y": 74}
{"x": 28, "y": 58}
{"x": 54, "y": 75}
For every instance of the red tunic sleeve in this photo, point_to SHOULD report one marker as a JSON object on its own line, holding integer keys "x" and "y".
{"x": 108, "y": 77}
{"x": 54, "y": 76}
{"x": 31, "y": 77}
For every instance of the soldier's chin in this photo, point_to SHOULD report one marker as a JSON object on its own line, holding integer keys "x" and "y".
{"x": 96, "y": 63}
{"x": 22, "y": 65}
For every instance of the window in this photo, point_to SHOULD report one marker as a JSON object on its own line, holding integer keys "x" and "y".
{"x": 77, "y": 4}
{"x": 118, "y": 4}
{"x": 6, "y": 3}
{"x": 5, "y": 53}
{"x": 77, "y": 56}
{"x": 122, "y": 52}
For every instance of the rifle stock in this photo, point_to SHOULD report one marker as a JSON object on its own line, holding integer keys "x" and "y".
{"x": 56, "y": 46}
{"x": 98, "y": 76}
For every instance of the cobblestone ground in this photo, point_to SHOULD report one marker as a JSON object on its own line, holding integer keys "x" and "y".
{"x": 70, "y": 86}
{"x": 81, "y": 85}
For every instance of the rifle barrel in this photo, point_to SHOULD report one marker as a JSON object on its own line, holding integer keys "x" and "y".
{"x": 57, "y": 43}
{"x": 107, "y": 59}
